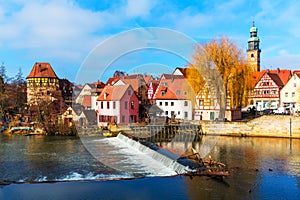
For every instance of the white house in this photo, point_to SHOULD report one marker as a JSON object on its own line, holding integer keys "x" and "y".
{"x": 290, "y": 93}
{"x": 172, "y": 97}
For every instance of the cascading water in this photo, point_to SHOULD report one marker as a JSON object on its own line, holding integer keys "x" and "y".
{"x": 128, "y": 155}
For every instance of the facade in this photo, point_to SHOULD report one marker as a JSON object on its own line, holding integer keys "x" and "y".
{"x": 267, "y": 85}
{"x": 267, "y": 91}
{"x": 172, "y": 97}
{"x": 69, "y": 116}
{"x": 42, "y": 84}
{"x": 117, "y": 104}
{"x": 89, "y": 94}
{"x": 152, "y": 86}
{"x": 253, "y": 51}
{"x": 290, "y": 93}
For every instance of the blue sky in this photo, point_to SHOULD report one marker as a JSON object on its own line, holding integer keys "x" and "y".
{"x": 65, "y": 32}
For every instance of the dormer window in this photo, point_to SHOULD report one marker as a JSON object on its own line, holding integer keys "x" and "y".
{"x": 162, "y": 93}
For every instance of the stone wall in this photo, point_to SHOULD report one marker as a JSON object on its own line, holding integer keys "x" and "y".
{"x": 264, "y": 126}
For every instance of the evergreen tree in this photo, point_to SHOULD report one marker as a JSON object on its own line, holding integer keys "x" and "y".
{"x": 3, "y": 72}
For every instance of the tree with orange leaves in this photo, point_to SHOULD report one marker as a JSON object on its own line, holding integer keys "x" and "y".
{"x": 223, "y": 68}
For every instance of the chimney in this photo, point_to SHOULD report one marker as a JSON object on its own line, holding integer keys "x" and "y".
{"x": 278, "y": 70}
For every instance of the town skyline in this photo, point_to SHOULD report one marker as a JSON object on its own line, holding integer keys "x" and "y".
{"x": 67, "y": 31}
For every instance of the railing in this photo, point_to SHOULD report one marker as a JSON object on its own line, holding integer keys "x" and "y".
{"x": 166, "y": 132}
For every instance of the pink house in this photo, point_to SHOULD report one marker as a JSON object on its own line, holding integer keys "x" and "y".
{"x": 117, "y": 104}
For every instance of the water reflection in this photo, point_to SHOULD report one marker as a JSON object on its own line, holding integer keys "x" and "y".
{"x": 45, "y": 158}
{"x": 260, "y": 168}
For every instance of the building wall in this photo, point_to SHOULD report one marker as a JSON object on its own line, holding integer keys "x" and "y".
{"x": 179, "y": 108}
{"x": 42, "y": 89}
{"x": 86, "y": 90}
{"x": 289, "y": 95}
{"x": 127, "y": 111}
{"x": 266, "y": 95}
{"x": 108, "y": 111}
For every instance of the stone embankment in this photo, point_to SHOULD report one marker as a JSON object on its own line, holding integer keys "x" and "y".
{"x": 264, "y": 126}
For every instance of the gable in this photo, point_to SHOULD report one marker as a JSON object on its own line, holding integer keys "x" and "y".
{"x": 42, "y": 70}
{"x": 269, "y": 80}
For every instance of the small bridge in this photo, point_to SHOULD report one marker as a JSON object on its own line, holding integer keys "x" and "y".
{"x": 166, "y": 132}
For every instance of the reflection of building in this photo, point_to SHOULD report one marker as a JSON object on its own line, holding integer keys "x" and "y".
{"x": 42, "y": 84}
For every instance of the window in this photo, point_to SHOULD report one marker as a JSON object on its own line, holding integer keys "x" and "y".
{"x": 70, "y": 112}
{"x": 185, "y": 103}
{"x": 129, "y": 92}
{"x": 172, "y": 103}
{"x": 123, "y": 119}
{"x": 162, "y": 93}
{"x": 167, "y": 113}
{"x": 178, "y": 112}
{"x": 172, "y": 114}
{"x": 107, "y": 105}
{"x": 286, "y": 94}
{"x": 160, "y": 103}
{"x": 101, "y": 104}
{"x": 132, "y": 105}
{"x": 185, "y": 93}
{"x": 177, "y": 92}
{"x": 126, "y": 105}
{"x": 201, "y": 102}
{"x": 185, "y": 115}
{"x": 114, "y": 105}
{"x": 293, "y": 94}
{"x": 265, "y": 83}
{"x": 295, "y": 84}
{"x": 166, "y": 103}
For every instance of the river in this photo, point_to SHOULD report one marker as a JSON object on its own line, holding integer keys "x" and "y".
{"x": 54, "y": 167}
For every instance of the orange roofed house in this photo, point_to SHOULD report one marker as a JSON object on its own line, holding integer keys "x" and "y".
{"x": 42, "y": 84}
{"x": 117, "y": 104}
{"x": 267, "y": 85}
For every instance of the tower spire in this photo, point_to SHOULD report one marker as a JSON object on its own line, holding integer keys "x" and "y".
{"x": 253, "y": 50}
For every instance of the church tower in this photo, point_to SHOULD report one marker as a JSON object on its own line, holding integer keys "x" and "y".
{"x": 253, "y": 50}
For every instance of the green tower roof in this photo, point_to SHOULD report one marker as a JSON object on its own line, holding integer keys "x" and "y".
{"x": 253, "y": 29}
{"x": 253, "y": 39}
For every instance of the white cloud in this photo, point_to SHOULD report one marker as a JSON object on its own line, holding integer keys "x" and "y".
{"x": 140, "y": 8}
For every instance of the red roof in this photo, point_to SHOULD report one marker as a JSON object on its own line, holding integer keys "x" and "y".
{"x": 147, "y": 78}
{"x": 112, "y": 80}
{"x": 87, "y": 101}
{"x": 283, "y": 74}
{"x": 113, "y": 92}
{"x": 175, "y": 88}
{"x": 42, "y": 70}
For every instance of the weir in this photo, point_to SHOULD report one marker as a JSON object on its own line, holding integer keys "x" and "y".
{"x": 168, "y": 159}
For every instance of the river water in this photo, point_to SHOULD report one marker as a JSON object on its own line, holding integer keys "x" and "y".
{"x": 51, "y": 167}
